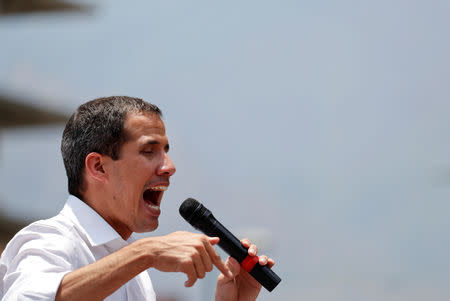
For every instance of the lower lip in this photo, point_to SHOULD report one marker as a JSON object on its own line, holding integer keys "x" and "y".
{"x": 153, "y": 209}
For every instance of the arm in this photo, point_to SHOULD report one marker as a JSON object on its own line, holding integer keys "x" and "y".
{"x": 192, "y": 254}
{"x": 100, "y": 279}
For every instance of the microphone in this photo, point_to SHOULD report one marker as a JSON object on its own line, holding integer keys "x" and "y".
{"x": 202, "y": 219}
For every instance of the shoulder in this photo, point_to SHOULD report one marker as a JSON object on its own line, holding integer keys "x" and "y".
{"x": 54, "y": 235}
{"x": 36, "y": 259}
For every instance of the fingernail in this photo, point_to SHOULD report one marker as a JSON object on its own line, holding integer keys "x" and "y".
{"x": 264, "y": 260}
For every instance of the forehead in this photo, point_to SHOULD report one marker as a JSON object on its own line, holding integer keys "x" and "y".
{"x": 138, "y": 125}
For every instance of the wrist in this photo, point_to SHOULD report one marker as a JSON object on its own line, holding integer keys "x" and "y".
{"x": 144, "y": 252}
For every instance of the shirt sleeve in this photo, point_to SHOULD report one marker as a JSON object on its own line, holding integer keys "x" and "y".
{"x": 34, "y": 263}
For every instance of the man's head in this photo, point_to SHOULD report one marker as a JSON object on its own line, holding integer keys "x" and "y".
{"x": 115, "y": 149}
{"x": 97, "y": 126}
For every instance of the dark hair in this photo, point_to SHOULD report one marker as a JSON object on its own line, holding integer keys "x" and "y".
{"x": 97, "y": 126}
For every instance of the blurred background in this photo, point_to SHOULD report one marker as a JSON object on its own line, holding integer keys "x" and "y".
{"x": 318, "y": 129}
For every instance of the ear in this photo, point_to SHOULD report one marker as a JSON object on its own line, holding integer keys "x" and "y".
{"x": 94, "y": 164}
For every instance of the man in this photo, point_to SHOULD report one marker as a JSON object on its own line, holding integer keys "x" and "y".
{"x": 115, "y": 152}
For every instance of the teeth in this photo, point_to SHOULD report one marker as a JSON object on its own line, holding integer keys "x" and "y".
{"x": 150, "y": 205}
{"x": 158, "y": 188}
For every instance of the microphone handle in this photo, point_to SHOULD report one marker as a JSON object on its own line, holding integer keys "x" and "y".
{"x": 233, "y": 247}
{"x": 228, "y": 242}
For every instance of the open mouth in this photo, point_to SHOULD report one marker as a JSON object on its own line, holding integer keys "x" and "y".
{"x": 152, "y": 196}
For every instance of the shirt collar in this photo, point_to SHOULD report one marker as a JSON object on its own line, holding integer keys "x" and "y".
{"x": 97, "y": 230}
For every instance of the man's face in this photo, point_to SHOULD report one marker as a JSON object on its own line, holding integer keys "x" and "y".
{"x": 138, "y": 179}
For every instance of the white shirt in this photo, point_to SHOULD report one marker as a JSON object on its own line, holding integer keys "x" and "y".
{"x": 36, "y": 259}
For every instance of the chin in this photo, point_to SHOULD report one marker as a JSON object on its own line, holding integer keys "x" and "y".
{"x": 148, "y": 228}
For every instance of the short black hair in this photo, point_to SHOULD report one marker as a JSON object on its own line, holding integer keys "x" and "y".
{"x": 97, "y": 126}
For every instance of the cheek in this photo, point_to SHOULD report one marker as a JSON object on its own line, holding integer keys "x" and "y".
{"x": 125, "y": 183}
{"x": 131, "y": 171}
{"x": 145, "y": 168}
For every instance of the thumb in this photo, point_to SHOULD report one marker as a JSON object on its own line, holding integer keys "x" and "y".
{"x": 233, "y": 265}
{"x": 234, "y": 268}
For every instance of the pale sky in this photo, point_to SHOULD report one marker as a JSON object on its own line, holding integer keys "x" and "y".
{"x": 322, "y": 124}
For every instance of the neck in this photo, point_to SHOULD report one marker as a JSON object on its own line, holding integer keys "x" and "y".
{"x": 100, "y": 204}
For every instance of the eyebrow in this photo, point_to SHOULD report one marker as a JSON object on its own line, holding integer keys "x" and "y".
{"x": 156, "y": 142}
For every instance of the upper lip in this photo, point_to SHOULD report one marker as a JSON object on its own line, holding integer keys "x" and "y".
{"x": 160, "y": 184}
{"x": 152, "y": 185}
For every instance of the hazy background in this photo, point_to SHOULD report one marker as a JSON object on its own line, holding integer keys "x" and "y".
{"x": 318, "y": 128}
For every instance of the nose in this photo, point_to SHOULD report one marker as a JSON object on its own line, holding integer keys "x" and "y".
{"x": 167, "y": 168}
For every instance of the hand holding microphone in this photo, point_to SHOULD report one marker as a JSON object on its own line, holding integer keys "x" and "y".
{"x": 202, "y": 219}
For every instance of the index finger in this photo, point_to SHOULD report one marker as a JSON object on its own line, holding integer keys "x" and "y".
{"x": 217, "y": 261}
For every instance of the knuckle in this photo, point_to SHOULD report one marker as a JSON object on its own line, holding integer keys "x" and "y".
{"x": 195, "y": 257}
{"x": 192, "y": 252}
{"x": 216, "y": 257}
{"x": 198, "y": 246}
{"x": 187, "y": 262}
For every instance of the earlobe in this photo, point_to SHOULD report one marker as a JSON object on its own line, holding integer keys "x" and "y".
{"x": 94, "y": 166}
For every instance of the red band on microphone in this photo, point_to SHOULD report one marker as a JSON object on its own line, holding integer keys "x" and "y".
{"x": 249, "y": 262}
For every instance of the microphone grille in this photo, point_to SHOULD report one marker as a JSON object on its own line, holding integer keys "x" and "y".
{"x": 188, "y": 207}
